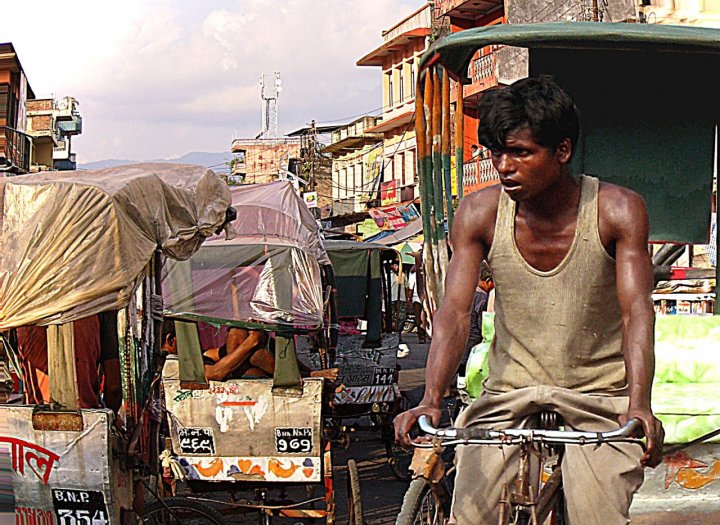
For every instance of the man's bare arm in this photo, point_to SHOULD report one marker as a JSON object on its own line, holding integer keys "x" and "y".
{"x": 630, "y": 225}
{"x": 112, "y": 394}
{"x": 451, "y": 322}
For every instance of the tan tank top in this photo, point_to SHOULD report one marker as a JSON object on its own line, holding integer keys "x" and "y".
{"x": 561, "y": 327}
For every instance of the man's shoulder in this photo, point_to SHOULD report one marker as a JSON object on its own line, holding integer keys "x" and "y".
{"x": 619, "y": 199}
{"x": 475, "y": 219}
{"x": 484, "y": 201}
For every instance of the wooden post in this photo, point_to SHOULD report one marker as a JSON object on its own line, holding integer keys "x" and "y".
{"x": 61, "y": 365}
{"x": 459, "y": 139}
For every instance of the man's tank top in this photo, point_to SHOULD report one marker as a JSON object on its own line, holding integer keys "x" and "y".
{"x": 562, "y": 327}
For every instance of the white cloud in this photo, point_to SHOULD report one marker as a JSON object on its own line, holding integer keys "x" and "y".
{"x": 157, "y": 78}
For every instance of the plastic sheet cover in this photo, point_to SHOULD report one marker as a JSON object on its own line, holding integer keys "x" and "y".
{"x": 76, "y": 243}
{"x": 269, "y": 273}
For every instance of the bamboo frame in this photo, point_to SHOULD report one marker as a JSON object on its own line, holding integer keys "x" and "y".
{"x": 445, "y": 150}
{"x": 459, "y": 139}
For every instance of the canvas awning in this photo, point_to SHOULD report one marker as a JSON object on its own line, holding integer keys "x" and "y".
{"x": 648, "y": 100}
{"x": 76, "y": 243}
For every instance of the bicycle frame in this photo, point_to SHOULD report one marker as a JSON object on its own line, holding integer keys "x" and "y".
{"x": 521, "y": 497}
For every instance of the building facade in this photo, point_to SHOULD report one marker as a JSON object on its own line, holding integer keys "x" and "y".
{"x": 15, "y": 143}
{"x": 703, "y": 13}
{"x": 357, "y": 158}
{"x": 398, "y": 57}
{"x": 263, "y": 160}
{"x": 52, "y": 124}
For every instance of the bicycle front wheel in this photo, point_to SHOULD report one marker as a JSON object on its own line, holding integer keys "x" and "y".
{"x": 181, "y": 511}
{"x": 424, "y": 504}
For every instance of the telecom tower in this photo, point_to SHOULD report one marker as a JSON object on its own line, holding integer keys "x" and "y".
{"x": 270, "y": 94}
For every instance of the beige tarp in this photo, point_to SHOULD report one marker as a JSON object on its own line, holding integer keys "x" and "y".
{"x": 76, "y": 243}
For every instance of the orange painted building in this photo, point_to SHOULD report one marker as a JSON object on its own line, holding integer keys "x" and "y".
{"x": 478, "y": 171}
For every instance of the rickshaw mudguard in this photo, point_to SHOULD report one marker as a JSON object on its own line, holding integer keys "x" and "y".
{"x": 63, "y": 476}
{"x": 240, "y": 430}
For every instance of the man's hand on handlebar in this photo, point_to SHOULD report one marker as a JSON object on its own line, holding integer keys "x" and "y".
{"x": 405, "y": 421}
{"x": 654, "y": 433}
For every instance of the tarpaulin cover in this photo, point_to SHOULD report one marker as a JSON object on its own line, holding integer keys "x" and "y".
{"x": 76, "y": 243}
{"x": 644, "y": 125}
{"x": 354, "y": 274}
{"x": 687, "y": 374}
{"x": 269, "y": 273}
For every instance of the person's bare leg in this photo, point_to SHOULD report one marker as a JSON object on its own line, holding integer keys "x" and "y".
{"x": 263, "y": 359}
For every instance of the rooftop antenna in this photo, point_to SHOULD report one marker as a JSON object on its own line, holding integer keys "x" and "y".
{"x": 270, "y": 94}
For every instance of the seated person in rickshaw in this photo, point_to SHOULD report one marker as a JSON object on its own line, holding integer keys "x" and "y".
{"x": 245, "y": 355}
{"x": 97, "y": 362}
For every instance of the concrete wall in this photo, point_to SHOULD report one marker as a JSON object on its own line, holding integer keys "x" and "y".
{"x": 265, "y": 157}
{"x": 533, "y": 11}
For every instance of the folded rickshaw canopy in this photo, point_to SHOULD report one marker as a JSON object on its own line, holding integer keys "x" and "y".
{"x": 77, "y": 243}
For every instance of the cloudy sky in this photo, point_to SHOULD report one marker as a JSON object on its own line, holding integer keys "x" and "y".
{"x": 160, "y": 78}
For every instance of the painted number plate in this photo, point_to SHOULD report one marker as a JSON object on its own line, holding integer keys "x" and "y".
{"x": 80, "y": 507}
{"x": 196, "y": 441}
{"x": 384, "y": 376}
{"x": 293, "y": 440}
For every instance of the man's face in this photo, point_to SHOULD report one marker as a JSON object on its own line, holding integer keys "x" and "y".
{"x": 526, "y": 168}
{"x": 394, "y": 267}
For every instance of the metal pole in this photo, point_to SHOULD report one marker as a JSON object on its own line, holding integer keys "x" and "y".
{"x": 596, "y": 13}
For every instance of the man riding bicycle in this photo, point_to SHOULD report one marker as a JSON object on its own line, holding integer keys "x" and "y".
{"x": 574, "y": 316}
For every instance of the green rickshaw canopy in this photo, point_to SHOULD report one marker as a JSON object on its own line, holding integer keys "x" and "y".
{"x": 648, "y": 99}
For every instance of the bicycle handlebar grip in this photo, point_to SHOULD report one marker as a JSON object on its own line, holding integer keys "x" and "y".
{"x": 632, "y": 428}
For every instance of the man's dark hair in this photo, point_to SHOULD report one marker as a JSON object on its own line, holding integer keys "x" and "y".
{"x": 168, "y": 329}
{"x": 538, "y": 103}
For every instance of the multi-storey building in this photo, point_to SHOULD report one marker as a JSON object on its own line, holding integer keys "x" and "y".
{"x": 398, "y": 56}
{"x": 15, "y": 144}
{"x": 357, "y": 160}
{"x": 263, "y": 160}
{"x": 52, "y": 124}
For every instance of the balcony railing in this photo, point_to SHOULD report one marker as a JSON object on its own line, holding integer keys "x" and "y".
{"x": 483, "y": 67}
{"x": 15, "y": 150}
{"x": 478, "y": 173}
{"x": 482, "y": 71}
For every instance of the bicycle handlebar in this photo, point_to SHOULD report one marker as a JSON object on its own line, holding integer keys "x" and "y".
{"x": 514, "y": 436}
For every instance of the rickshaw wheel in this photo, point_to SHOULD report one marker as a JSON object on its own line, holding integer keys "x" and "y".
{"x": 355, "y": 511}
{"x": 399, "y": 459}
{"x": 181, "y": 511}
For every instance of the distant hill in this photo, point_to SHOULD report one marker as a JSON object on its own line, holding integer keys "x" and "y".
{"x": 216, "y": 161}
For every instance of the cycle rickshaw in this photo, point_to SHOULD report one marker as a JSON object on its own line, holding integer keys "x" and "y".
{"x": 619, "y": 75}
{"x": 263, "y": 438}
{"x": 77, "y": 244}
{"x": 366, "y": 348}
